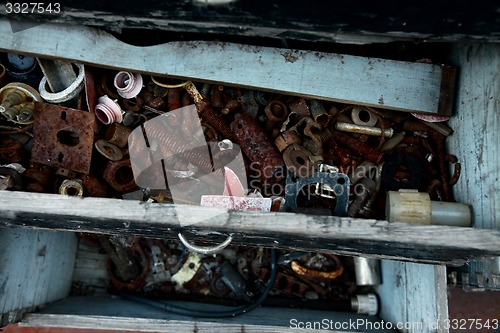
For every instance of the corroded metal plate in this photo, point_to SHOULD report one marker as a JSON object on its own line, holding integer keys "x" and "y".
{"x": 63, "y": 137}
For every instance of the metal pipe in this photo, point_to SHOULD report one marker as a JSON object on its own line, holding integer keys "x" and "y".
{"x": 353, "y": 128}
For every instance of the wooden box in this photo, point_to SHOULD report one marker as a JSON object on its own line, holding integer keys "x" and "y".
{"x": 39, "y": 248}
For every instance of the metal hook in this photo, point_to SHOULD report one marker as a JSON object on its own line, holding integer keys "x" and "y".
{"x": 205, "y": 249}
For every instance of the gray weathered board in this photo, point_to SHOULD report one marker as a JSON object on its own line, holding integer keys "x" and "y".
{"x": 397, "y": 85}
{"x": 35, "y": 268}
{"x": 430, "y": 244}
{"x": 477, "y": 142}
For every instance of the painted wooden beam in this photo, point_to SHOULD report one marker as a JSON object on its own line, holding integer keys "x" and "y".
{"x": 378, "y": 239}
{"x": 390, "y": 84}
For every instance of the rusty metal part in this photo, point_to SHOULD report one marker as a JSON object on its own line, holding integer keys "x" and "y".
{"x": 309, "y": 273}
{"x": 357, "y": 147}
{"x": 119, "y": 175}
{"x": 209, "y": 132}
{"x": 363, "y": 117}
{"x": 375, "y": 131}
{"x": 71, "y": 187}
{"x": 393, "y": 142}
{"x": 128, "y": 265}
{"x": 38, "y": 173}
{"x": 276, "y": 113}
{"x": 216, "y": 96}
{"x": 108, "y": 150}
{"x": 231, "y": 106}
{"x": 319, "y": 113}
{"x": 457, "y": 168}
{"x": 258, "y": 148}
{"x": 11, "y": 151}
{"x": 286, "y": 284}
{"x": 300, "y": 161}
{"x": 206, "y": 112}
{"x": 365, "y": 169}
{"x": 111, "y": 93}
{"x": 299, "y": 107}
{"x": 117, "y": 134}
{"x": 286, "y": 139}
{"x": 174, "y": 99}
{"x": 63, "y": 137}
{"x": 94, "y": 187}
{"x": 10, "y": 178}
{"x": 338, "y": 153}
{"x": 133, "y": 104}
{"x": 157, "y": 103}
{"x": 165, "y": 137}
{"x": 363, "y": 190}
{"x": 411, "y": 140}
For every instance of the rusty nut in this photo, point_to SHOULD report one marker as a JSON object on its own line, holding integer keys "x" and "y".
{"x": 71, "y": 187}
{"x": 119, "y": 175}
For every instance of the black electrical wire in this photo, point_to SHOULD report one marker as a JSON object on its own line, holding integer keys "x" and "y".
{"x": 179, "y": 310}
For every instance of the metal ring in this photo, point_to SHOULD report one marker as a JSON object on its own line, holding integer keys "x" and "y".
{"x": 205, "y": 249}
{"x": 67, "y": 94}
{"x": 170, "y": 86}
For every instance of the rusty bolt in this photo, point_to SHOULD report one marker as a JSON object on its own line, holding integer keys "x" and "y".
{"x": 231, "y": 106}
{"x": 94, "y": 187}
{"x": 357, "y": 147}
{"x": 119, "y": 175}
{"x": 117, "y": 134}
{"x": 319, "y": 113}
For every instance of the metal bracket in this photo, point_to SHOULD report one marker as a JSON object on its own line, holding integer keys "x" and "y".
{"x": 338, "y": 182}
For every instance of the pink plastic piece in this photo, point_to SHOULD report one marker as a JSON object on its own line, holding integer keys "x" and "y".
{"x": 430, "y": 118}
{"x": 232, "y": 185}
{"x": 237, "y": 203}
{"x": 108, "y": 111}
{"x": 128, "y": 85}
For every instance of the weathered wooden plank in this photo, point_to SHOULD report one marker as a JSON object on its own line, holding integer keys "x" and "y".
{"x": 376, "y": 82}
{"x": 476, "y": 142}
{"x": 432, "y": 244}
{"x": 414, "y": 295}
{"x": 315, "y": 20}
{"x": 36, "y": 267}
{"x": 116, "y": 313}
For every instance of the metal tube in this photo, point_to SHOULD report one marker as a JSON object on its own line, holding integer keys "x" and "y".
{"x": 367, "y": 271}
{"x": 352, "y": 128}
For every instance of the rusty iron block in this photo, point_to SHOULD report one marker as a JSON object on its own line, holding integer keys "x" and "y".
{"x": 63, "y": 137}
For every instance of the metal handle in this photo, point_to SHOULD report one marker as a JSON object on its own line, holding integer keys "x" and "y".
{"x": 205, "y": 249}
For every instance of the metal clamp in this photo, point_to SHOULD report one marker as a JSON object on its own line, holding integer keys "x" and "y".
{"x": 67, "y": 94}
{"x": 208, "y": 250}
